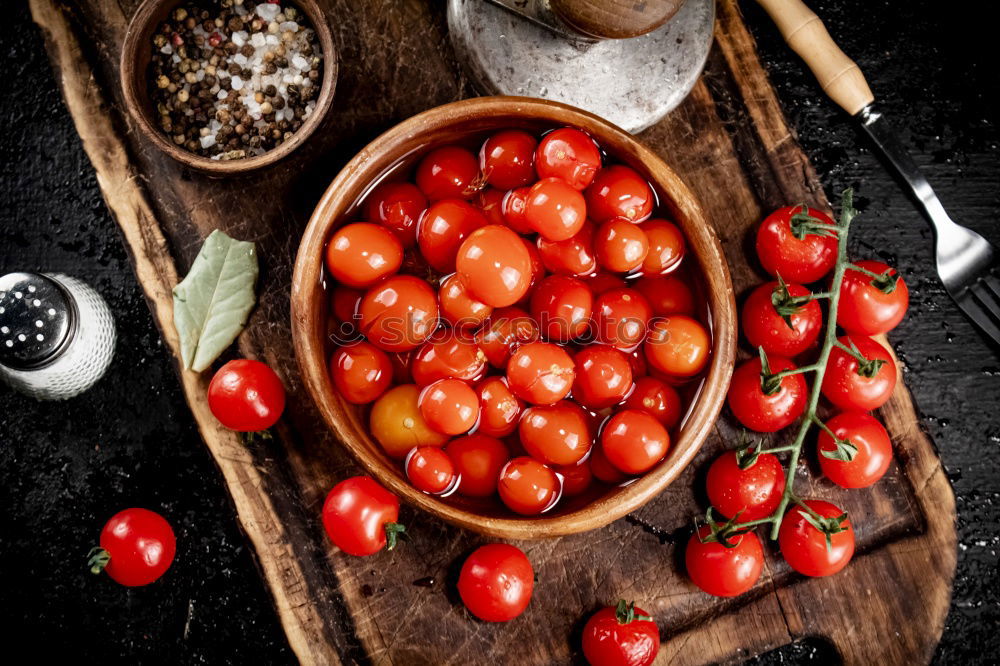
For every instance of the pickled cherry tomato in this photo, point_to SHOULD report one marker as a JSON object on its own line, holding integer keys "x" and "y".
{"x": 458, "y": 307}
{"x": 495, "y": 265}
{"x": 507, "y": 159}
{"x": 345, "y": 302}
{"x": 554, "y": 209}
{"x": 449, "y": 172}
{"x": 450, "y": 355}
{"x": 528, "y": 487}
{"x": 602, "y": 469}
{"x": 666, "y": 295}
{"x": 621, "y": 317}
{"x": 601, "y": 283}
{"x": 430, "y": 470}
{"x": 503, "y": 332}
{"x": 603, "y": 377}
{"x": 576, "y": 479}
{"x": 490, "y": 202}
{"x": 573, "y": 256}
{"x": 443, "y": 228}
{"x": 657, "y": 399}
{"x": 513, "y": 210}
{"x": 634, "y": 441}
{"x": 556, "y": 434}
{"x": 666, "y": 246}
{"x": 637, "y": 359}
{"x": 562, "y": 306}
{"x": 361, "y": 254}
{"x": 537, "y": 267}
{"x": 449, "y": 406}
{"x": 399, "y": 313}
{"x": 478, "y": 459}
{"x": 568, "y": 154}
{"x": 540, "y": 373}
{"x": 361, "y": 372}
{"x": 620, "y": 246}
{"x": 397, "y": 207}
{"x": 619, "y": 191}
{"x": 397, "y": 424}
{"x": 499, "y": 408}
{"x": 678, "y": 346}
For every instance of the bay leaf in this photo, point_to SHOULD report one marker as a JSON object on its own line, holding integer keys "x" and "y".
{"x": 212, "y": 303}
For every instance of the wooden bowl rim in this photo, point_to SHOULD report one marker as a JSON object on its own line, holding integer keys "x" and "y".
{"x": 311, "y": 355}
{"x": 133, "y": 82}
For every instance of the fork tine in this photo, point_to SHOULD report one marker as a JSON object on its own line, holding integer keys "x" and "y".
{"x": 993, "y": 283}
{"x": 986, "y": 299}
{"x": 979, "y": 316}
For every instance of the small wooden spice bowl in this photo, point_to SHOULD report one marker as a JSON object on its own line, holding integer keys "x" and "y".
{"x": 137, "y": 51}
{"x": 452, "y": 123}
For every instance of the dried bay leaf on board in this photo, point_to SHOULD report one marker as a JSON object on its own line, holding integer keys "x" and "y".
{"x": 212, "y": 303}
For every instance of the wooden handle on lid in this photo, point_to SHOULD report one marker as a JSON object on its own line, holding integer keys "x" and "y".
{"x": 615, "y": 19}
{"x": 838, "y": 75}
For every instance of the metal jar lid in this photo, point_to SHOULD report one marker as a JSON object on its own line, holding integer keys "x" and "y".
{"x": 38, "y": 319}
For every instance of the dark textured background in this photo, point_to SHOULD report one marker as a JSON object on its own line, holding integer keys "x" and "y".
{"x": 64, "y": 468}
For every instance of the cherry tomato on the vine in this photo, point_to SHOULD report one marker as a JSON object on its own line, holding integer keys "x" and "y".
{"x": 496, "y": 582}
{"x": 795, "y": 243}
{"x": 246, "y": 396}
{"x": 763, "y": 411}
{"x": 809, "y": 550}
{"x": 507, "y": 159}
{"x": 749, "y": 489}
{"x": 449, "y": 172}
{"x": 137, "y": 547}
{"x": 764, "y": 325}
{"x": 868, "y": 305}
{"x": 622, "y": 635}
{"x": 568, "y": 154}
{"x": 871, "y": 454}
{"x": 360, "y": 516}
{"x": 722, "y": 571}
{"x": 851, "y": 384}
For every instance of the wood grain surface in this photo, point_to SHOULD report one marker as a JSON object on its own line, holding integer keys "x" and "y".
{"x": 732, "y": 146}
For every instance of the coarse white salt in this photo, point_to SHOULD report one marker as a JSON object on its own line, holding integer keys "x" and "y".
{"x": 237, "y": 83}
{"x": 306, "y": 82}
{"x": 257, "y": 40}
{"x": 240, "y": 59}
{"x": 300, "y": 63}
{"x": 289, "y": 25}
{"x": 200, "y": 75}
{"x": 287, "y": 78}
{"x": 239, "y": 38}
{"x": 267, "y": 11}
{"x": 297, "y": 79}
{"x": 222, "y": 94}
{"x": 208, "y": 141}
{"x": 166, "y": 49}
{"x": 272, "y": 39}
{"x": 175, "y": 58}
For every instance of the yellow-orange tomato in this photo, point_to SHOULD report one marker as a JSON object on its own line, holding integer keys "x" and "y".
{"x": 399, "y": 313}
{"x": 495, "y": 265}
{"x": 397, "y": 424}
{"x": 361, "y": 254}
{"x": 678, "y": 346}
{"x": 666, "y": 246}
{"x": 449, "y": 406}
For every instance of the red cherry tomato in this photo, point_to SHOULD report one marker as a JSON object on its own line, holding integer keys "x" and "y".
{"x": 397, "y": 424}
{"x": 458, "y": 306}
{"x": 634, "y": 441}
{"x": 620, "y": 245}
{"x": 760, "y": 411}
{"x": 765, "y": 327}
{"x": 601, "y": 283}
{"x": 620, "y": 318}
{"x": 246, "y": 396}
{"x": 537, "y": 267}
{"x": 621, "y": 636}
{"x": 752, "y": 493}
{"x": 576, "y": 479}
{"x": 495, "y": 265}
{"x": 568, "y": 154}
{"x": 805, "y": 548}
{"x": 849, "y": 384}
{"x": 540, "y": 373}
{"x": 603, "y": 376}
{"x": 397, "y": 207}
{"x": 430, "y": 470}
{"x": 657, "y": 399}
{"x": 666, "y": 246}
{"x": 361, "y": 372}
{"x": 443, "y": 228}
{"x": 786, "y": 249}
{"x": 496, "y": 582}
{"x": 399, "y": 313}
{"x": 499, "y": 408}
{"x": 512, "y": 208}
{"x": 637, "y": 360}
{"x": 490, "y": 202}
{"x": 449, "y": 355}
{"x": 871, "y": 458}
{"x": 573, "y": 256}
{"x": 528, "y": 487}
{"x": 678, "y": 346}
{"x": 361, "y": 254}
{"x": 449, "y": 406}
{"x": 507, "y": 159}
{"x": 478, "y": 459}
{"x": 667, "y": 295}
{"x": 721, "y": 571}
{"x": 345, "y": 302}
{"x": 602, "y": 469}
{"x": 554, "y": 209}
{"x": 449, "y": 172}
{"x": 556, "y": 434}
{"x": 562, "y": 306}
{"x": 503, "y": 332}
{"x": 137, "y": 547}
{"x": 360, "y": 516}
{"x": 868, "y": 305}
{"x": 619, "y": 191}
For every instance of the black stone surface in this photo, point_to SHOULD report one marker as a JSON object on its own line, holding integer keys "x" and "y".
{"x": 64, "y": 468}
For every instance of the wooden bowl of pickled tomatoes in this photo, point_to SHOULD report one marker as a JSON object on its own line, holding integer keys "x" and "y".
{"x": 515, "y": 316}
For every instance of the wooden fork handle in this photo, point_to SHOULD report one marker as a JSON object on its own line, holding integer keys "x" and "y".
{"x": 838, "y": 75}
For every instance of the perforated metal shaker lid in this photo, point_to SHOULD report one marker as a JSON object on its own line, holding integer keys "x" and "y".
{"x": 38, "y": 320}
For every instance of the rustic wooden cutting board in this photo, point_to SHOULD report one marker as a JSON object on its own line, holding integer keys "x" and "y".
{"x": 730, "y": 142}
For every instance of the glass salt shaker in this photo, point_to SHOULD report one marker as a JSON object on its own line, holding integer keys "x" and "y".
{"x": 57, "y": 335}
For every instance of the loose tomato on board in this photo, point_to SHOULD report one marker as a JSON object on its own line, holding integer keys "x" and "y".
{"x": 677, "y": 346}
{"x": 449, "y": 172}
{"x": 360, "y": 516}
{"x": 361, "y": 254}
{"x": 495, "y": 265}
{"x": 658, "y": 399}
{"x": 507, "y": 159}
{"x": 361, "y": 372}
{"x": 819, "y": 545}
{"x": 763, "y": 403}
{"x": 499, "y": 409}
{"x": 137, "y": 547}
{"x": 666, "y": 246}
{"x": 478, "y": 459}
{"x": 619, "y": 191}
{"x": 246, "y": 396}
{"x": 443, "y": 228}
{"x": 872, "y": 305}
{"x": 398, "y": 425}
{"x": 570, "y": 155}
{"x": 860, "y": 454}
{"x": 722, "y": 571}
{"x": 745, "y": 484}
{"x": 496, "y": 582}
{"x": 430, "y": 470}
{"x": 528, "y": 487}
{"x": 399, "y": 313}
{"x": 603, "y": 377}
{"x": 449, "y": 406}
{"x": 620, "y": 245}
{"x": 796, "y": 243}
{"x": 554, "y": 209}
{"x": 622, "y": 635}
{"x": 634, "y": 441}
{"x": 397, "y": 207}
{"x": 556, "y": 434}
{"x": 562, "y": 306}
{"x": 777, "y": 318}
{"x": 540, "y": 373}
{"x": 852, "y": 384}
